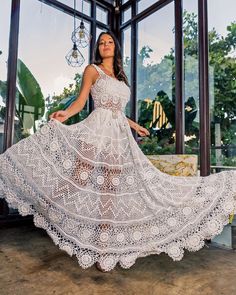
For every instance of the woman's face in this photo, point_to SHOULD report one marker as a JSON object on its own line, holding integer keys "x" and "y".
{"x": 106, "y": 46}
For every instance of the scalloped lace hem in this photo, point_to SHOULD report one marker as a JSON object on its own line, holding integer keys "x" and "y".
{"x": 87, "y": 257}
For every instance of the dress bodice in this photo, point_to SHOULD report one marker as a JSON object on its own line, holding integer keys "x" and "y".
{"x": 109, "y": 93}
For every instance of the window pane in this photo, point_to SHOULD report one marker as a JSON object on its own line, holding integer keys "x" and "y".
{"x": 44, "y": 41}
{"x": 5, "y": 13}
{"x": 155, "y": 80}
{"x": 126, "y": 15}
{"x": 86, "y": 5}
{"x": 102, "y": 14}
{"x": 191, "y": 79}
{"x": 99, "y": 31}
{"x": 126, "y": 46}
{"x": 143, "y": 4}
{"x": 222, "y": 62}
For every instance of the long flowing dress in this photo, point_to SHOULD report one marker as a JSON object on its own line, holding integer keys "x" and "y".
{"x": 98, "y": 196}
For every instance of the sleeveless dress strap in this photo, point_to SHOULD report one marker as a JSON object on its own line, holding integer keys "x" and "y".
{"x": 100, "y": 71}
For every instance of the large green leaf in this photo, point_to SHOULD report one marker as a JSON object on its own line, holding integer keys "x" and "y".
{"x": 3, "y": 93}
{"x": 3, "y": 90}
{"x": 30, "y": 98}
{"x": 29, "y": 87}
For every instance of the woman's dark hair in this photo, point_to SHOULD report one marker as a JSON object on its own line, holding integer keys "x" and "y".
{"x": 117, "y": 64}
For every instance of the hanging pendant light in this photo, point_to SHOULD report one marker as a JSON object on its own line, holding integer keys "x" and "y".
{"x": 74, "y": 57}
{"x": 81, "y": 35}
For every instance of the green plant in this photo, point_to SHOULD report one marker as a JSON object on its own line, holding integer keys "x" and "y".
{"x": 160, "y": 78}
{"x": 68, "y": 96}
{"x": 30, "y": 105}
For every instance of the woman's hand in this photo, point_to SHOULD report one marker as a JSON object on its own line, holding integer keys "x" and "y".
{"x": 60, "y": 116}
{"x": 142, "y": 131}
{"x": 139, "y": 129}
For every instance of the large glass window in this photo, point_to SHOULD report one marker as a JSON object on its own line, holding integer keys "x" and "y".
{"x": 126, "y": 14}
{"x": 126, "y": 46}
{"x": 143, "y": 4}
{"x": 45, "y": 81}
{"x": 222, "y": 62}
{"x": 102, "y": 14}
{"x": 5, "y": 13}
{"x": 99, "y": 31}
{"x": 155, "y": 80}
{"x": 191, "y": 76}
{"x": 85, "y": 8}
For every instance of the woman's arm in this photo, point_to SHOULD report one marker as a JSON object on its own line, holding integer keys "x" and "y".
{"x": 139, "y": 129}
{"x": 89, "y": 77}
{"x": 132, "y": 124}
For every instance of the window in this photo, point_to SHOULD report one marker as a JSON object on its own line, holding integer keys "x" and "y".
{"x": 126, "y": 48}
{"x": 155, "y": 80}
{"x": 86, "y": 5}
{"x": 191, "y": 76}
{"x": 102, "y": 14}
{"x": 222, "y": 71}
{"x": 5, "y": 13}
{"x": 143, "y": 4}
{"x": 45, "y": 80}
{"x": 126, "y": 15}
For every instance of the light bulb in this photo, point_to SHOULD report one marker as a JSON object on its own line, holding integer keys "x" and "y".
{"x": 81, "y": 34}
{"x": 74, "y": 53}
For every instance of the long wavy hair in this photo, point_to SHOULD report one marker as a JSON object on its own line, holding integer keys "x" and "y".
{"x": 117, "y": 63}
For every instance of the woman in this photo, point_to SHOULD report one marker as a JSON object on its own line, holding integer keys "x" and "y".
{"x": 93, "y": 190}
{"x": 108, "y": 59}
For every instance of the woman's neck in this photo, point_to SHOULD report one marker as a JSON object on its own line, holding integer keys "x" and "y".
{"x": 108, "y": 63}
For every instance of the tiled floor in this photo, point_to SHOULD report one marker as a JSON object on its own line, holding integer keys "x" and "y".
{"x": 31, "y": 264}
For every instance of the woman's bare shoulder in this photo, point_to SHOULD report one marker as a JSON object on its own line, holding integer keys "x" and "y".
{"x": 90, "y": 70}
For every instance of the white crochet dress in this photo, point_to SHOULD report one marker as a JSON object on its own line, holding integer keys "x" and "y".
{"x": 98, "y": 196}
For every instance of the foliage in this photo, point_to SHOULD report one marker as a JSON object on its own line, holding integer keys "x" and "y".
{"x": 62, "y": 101}
{"x": 28, "y": 95}
{"x": 156, "y": 81}
{"x": 166, "y": 134}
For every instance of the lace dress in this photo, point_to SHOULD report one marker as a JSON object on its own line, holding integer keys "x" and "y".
{"x": 98, "y": 196}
